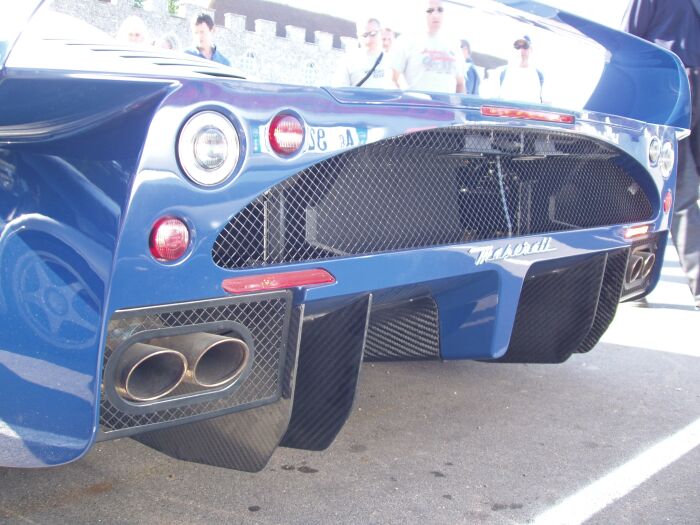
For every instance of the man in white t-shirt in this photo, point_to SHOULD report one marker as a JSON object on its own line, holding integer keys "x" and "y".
{"x": 429, "y": 62}
{"x": 522, "y": 82}
{"x": 388, "y": 37}
{"x": 368, "y": 65}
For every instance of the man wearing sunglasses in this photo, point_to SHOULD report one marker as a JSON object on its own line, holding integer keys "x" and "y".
{"x": 367, "y": 66}
{"x": 522, "y": 82}
{"x": 429, "y": 62}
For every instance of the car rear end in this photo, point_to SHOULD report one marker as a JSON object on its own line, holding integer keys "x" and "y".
{"x": 202, "y": 262}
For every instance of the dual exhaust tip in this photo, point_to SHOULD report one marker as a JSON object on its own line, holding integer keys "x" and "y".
{"x": 640, "y": 265}
{"x": 149, "y": 371}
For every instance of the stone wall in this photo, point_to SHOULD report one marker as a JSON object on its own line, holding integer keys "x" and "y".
{"x": 258, "y": 53}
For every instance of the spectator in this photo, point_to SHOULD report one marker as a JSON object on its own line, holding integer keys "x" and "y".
{"x": 388, "y": 37}
{"x": 168, "y": 41}
{"x": 133, "y": 31}
{"x": 472, "y": 80}
{"x": 366, "y": 66}
{"x": 204, "y": 35}
{"x": 675, "y": 25}
{"x": 429, "y": 63}
{"x": 522, "y": 82}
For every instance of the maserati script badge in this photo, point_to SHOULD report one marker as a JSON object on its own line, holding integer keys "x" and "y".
{"x": 486, "y": 254}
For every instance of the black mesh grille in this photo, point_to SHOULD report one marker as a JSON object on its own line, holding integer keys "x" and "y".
{"x": 433, "y": 188}
{"x": 407, "y": 331}
{"x": 265, "y": 319}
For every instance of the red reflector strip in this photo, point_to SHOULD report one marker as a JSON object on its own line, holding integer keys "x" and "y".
{"x": 277, "y": 281}
{"x": 527, "y": 114}
{"x": 637, "y": 231}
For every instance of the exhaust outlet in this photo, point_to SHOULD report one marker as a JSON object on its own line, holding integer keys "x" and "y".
{"x": 213, "y": 360}
{"x": 635, "y": 266}
{"x": 649, "y": 260}
{"x": 148, "y": 372}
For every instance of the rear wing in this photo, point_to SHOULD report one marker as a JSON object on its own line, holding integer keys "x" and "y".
{"x": 639, "y": 80}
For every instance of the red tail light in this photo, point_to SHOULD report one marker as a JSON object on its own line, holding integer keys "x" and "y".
{"x": 544, "y": 116}
{"x": 286, "y": 134}
{"x": 169, "y": 239}
{"x": 668, "y": 201}
{"x": 277, "y": 281}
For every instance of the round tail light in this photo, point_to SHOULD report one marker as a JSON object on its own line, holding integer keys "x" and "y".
{"x": 169, "y": 239}
{"x": 208, "y": 148}
{"x": 286, "y": 134}
{"x": 654, "y": 151}
{"x": 668, "y": 201}
{"x": 667, "y": 159}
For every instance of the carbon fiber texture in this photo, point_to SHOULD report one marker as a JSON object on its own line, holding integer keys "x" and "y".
{"x": 242, "y": 440}
{"x": 264, "y": 317}
{"x": 615, "y": 266}
{"x": 405, "y": 331}
{"x": 329, "y": 367}
{"x": 556, "y": 311}
{"x": 435, "y": 187}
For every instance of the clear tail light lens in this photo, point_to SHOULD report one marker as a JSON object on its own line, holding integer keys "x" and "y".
{"x": 208, "y": 148}
{"x": 654, "y": 151}
{"x": 667, "y": 159}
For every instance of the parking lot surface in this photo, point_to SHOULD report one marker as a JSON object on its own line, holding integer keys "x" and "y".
{"x": 458, "y": 442}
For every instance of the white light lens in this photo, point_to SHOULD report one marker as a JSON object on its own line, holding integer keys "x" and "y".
{"x": 208, "y": 148}
{"x": 667, "y": 159}
{"x": 654, "y": 151}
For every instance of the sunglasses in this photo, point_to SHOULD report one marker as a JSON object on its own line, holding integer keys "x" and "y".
{"x": 431, "y": 10}
{"x": 370, "y": 33}
{"x": 518, "y": 45}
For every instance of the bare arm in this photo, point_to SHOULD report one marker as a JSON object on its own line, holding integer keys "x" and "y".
{"x": 395, "y": 76}
{"x": 460, "y": 85}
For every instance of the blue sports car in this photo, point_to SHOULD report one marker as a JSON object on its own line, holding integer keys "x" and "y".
{"x": 202, "y": 262}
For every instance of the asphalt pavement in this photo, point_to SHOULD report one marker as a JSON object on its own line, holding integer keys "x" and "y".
{"x": 609, "y": 437}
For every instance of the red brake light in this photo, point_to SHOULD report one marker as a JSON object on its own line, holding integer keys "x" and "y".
{"x": 277, "y": 281}
{"x": 286, "y": 134}
{"x": 545, "y": 116}
{"x": 668, "y": 201}
{"x": 169, "y": 239}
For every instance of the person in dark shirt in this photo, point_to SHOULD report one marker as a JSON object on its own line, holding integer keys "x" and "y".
{"x": 204, "y": 33}
{"x": 675, "y": 25}
{"x": 471, "y": 77}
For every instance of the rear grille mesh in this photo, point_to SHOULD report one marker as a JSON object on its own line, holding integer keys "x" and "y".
{"x": 434, "y": 188}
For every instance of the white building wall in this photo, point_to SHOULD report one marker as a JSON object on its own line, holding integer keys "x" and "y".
{"x": 258, "y": 53}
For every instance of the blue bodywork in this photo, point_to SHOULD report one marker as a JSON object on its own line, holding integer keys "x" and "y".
{"x": 88, "y": 165}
